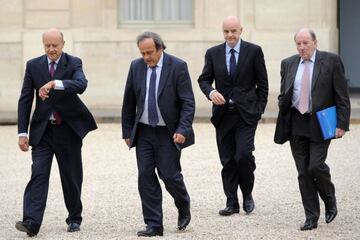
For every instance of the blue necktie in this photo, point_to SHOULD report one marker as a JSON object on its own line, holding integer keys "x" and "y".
{"x": 232, "y": 64}
{"x": 152, "y": 111}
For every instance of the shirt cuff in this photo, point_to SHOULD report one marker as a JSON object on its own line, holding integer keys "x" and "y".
{"x": 212, "y": 93}
{"x": 22, "y": 134}
{"x": 59, "y": 85}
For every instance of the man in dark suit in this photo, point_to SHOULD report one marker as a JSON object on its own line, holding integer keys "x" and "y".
{"x": 239, "y": 99}
{"x": 58, "y": 125}
{"x": 157, "y": 115}
{"x": 311, "y": 81}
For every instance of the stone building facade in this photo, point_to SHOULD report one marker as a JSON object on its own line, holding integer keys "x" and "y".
{"x": 94, "y": 31}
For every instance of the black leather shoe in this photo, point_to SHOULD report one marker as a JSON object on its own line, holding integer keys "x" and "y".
{"x": 228, "y": 211}
{"x": 73, "y": 227}
{"x": 30, "y": 228}
{"x": 308, "y": 225}
{"x": 151, "y": 232}
{"x": 330, "y": 215}
{"x": 184, "y": 218}
{"x": 248, "y": 204}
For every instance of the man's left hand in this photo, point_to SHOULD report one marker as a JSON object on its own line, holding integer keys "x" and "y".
{"x": 44, "y": 90}
{"x": 178, "y": 138}
{"x": 339, "y": 133}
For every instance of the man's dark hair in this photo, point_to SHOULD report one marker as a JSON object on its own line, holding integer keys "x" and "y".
{"x": 159, "y": 44}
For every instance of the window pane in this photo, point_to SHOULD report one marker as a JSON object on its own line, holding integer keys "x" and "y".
{"x": 137, "y": 10}
{"x": 176, "y": 10}
{"x": 155, "y": 11}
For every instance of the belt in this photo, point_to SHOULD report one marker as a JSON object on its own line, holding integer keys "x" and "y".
{"x": 53, "y": 122}
{"x": 231, "y": 106}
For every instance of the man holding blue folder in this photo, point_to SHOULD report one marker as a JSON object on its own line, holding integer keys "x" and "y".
{"x": 312, "y": 81}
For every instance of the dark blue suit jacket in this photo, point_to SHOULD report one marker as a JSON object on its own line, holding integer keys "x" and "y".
{"x": 175, "y": 98}
{"x": 66, "y": 102}
{"x": 249, "y": 90}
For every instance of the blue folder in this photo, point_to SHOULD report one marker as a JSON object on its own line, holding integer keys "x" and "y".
{"x": 327, "y": 122}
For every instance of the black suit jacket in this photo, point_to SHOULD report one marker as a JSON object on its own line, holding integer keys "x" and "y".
{"x": 175, "y": 98}
{"x": 250, "y": 88}
{"x": 329, "y": 88}
{"x": 66, "y": 102}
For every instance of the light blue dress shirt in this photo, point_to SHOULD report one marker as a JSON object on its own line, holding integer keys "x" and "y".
{"x": 297, "y": 83}
{"x": 145, "y": 117}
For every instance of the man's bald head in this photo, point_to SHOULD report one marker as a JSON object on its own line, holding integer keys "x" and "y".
{"x": 53, "y": 41}
{"x": 232, "y": 30}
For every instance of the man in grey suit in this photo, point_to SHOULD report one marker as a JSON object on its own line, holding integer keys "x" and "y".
{"x": 311, "y": 81}
{"x": 157, "y": 115}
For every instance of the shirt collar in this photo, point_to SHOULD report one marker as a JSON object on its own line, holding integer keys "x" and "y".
{"x": 50, "y": 61}
{"x": 236, "y": 48}
{"x": 312, "y": 59}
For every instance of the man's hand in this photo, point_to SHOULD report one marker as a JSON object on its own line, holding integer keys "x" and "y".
{"x": 128, "y": 142}
{"x": 24, "y": 143}
{"x": 44, "y": 90}
{"x": 217, "y": 98}
{"x": 339, "y": 133}
{"x": 178, "y": 138}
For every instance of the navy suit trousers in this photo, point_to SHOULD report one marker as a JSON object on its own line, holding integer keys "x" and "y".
{"x": 62, "y": 141}
{"x": 155, "y": 150}
{"x": 235, "y": 141}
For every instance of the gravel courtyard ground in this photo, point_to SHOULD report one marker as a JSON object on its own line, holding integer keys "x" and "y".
{"x": 112, "y": 207}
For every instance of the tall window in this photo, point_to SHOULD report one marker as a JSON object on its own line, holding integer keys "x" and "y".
{"x": 155, "y": 11}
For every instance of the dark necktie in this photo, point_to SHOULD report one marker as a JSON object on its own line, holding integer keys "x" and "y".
{"x": 232, "y": 64}
{"x": 152, "y": 110}
{"x": 52, "y": 73}
{"x": 52, "y": 70}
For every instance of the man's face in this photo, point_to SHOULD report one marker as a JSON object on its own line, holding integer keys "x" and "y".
{"x": 232, "y": 31}
{"x": 149, "y": 53}
{"x": 53, "y": 45}
{"x": 305, "y": 45}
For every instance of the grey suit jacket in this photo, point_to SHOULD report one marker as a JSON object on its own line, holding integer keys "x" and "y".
{"x": 329, "y": 88}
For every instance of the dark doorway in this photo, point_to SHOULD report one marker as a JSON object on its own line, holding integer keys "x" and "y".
{"x": 349, "y": 26}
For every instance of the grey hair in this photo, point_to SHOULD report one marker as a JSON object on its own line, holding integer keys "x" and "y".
{"x": 159, "y": 43}
{"x": 310, "y": 31}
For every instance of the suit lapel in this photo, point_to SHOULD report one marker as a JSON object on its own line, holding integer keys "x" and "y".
{"x": 44, "y": 66}
{"x": 242, "y": 58}
{"x": 61, "y": 67}
{"x": 222, "y": 59}
{"x": 292, "y": 71}
{"x": 142, "y": 79}
{"x": 317, "y": 68}
{"x": 164, "y": 73}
